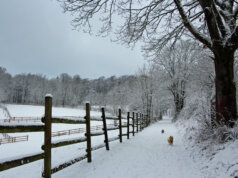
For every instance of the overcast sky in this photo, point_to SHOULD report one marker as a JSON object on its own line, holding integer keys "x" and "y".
{"x": 36, "y": 37}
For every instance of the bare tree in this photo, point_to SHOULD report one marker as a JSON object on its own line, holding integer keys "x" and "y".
{"x": 157, "y": 22}
{"x": 146, "y": 86}
{"x": 176, "y": 65}
{"x": 65, "y": 88}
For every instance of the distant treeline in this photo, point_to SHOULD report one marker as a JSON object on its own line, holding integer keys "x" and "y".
{"x": 66, "y": 90}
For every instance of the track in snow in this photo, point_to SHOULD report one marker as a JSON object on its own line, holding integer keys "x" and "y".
{"x": 147, "y": 155}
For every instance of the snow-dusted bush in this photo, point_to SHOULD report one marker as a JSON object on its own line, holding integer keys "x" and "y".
{"x": 196, "y": 116}
{"x": 215, "y": 133}
{"x": 197, "y": 106}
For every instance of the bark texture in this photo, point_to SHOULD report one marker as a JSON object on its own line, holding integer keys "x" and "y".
{"x": 226, "y": 111}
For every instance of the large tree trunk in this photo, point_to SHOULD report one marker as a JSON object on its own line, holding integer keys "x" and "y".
{"x": 226, "y": 112}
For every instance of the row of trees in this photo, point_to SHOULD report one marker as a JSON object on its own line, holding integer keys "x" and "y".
{"x": 134, "y": 92}
{"x": 114, "y": 92}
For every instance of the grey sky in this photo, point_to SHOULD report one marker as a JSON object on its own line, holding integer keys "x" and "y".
{"x": 36, "y": 37}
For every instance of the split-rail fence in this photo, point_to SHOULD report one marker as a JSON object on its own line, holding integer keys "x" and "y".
{"x": 136, "y": 121}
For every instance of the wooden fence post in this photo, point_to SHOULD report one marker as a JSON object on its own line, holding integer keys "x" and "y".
{"x": 144, "y": 118}
{"x": 88, "y": 133}
{"x": 128, "y": 125}
{"x": 142, "y": 121}
{"x": 47, "y": 135}
{"x": 105, "y": 128}
{"x": 133, "y": 123}
{"x": 120, "y": 126}
{"x": 147, "y": 120}
{"x": 137, "y": 123}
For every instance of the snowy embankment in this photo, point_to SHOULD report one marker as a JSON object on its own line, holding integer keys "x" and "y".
{"x": 216, "y": 160}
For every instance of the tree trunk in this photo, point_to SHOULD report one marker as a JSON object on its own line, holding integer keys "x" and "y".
{"x": 213, "y": 111}
{"x": 226, "y": 111}
{"x": 179, "y": 103}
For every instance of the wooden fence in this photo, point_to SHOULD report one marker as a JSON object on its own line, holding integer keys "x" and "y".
{"x": 8, "y": 139}
{"x": 134, "y": 120}
{"x": 14, "y": 139}
{"x": 68, "y": 132}
{"x": 76, "y": 131}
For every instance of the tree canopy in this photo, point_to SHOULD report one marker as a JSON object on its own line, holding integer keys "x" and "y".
{"x": 160, "y": 21}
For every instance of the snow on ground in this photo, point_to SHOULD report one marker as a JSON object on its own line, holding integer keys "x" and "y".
{"x": 38, "y": 111}
{"x": 216, "y": 160}
{"x": 59, "y": 155}
{"x": 3, "y": 113}
{"x": 36, "y": 139}
{"x": 225, "y": 162}
{"x": 147, "y": 155}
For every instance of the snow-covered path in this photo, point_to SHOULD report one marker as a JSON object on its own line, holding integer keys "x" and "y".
{"x": 147, "y": 155}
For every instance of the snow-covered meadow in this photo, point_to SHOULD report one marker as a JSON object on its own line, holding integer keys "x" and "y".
{"x": 60, "y": 155}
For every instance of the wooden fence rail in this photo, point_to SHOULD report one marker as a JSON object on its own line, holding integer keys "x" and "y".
{"x": 20, "y": 161}
{"x": 135, "y": 121}
{"x": 81, "y": 130}
{"x": 21, "y": 128}
{"x": 68, "y": 132}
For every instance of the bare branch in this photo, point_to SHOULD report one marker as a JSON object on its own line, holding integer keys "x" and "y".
{"x": 190, "y": 27}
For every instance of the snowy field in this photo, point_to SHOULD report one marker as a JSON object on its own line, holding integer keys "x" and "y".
{"x": 59, "y": 155}
{"x": 36, "y": 138}
{"x": 147, "y": 155}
